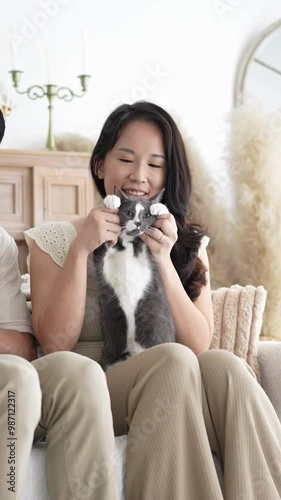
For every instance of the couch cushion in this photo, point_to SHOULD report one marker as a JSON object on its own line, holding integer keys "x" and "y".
{"x": 238, "y": 313}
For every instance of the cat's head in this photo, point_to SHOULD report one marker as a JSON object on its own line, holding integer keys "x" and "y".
{"x": 134, "y": 213}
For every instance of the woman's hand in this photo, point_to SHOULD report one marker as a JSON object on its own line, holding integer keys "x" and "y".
{"x": 161, "y": 237}
{"x": 101, "y": 225}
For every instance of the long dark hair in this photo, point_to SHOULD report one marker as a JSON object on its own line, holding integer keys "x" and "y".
{"x": 177, "y": 196}
{"x": 2, "y": 126}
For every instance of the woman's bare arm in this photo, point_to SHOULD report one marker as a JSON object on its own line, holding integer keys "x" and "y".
{"x": 58, "y": 297}
{"x": 194, "y": 320}
{"x": 18, "y": 343}
{"x": 58, "y": 294}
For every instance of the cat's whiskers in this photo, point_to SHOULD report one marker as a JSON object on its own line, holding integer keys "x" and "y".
{"x": 123, "y": 230}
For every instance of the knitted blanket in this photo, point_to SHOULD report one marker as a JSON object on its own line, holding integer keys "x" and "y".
{"x": 238, "y": 314}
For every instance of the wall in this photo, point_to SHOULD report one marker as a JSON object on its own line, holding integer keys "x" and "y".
{"x": 181, "y": 54}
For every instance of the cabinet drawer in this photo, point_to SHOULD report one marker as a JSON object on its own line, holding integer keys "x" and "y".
{"x": 61, "y": 194}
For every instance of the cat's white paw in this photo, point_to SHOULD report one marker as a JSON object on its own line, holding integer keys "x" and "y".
{"x": 158, "y": 209}
{"x": 112, "y": 201}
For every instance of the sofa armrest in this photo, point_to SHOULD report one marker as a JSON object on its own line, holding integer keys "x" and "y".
{"x": 269, "y": 356}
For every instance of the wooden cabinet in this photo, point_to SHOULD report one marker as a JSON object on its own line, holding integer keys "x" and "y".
{"x": 39, "y": 186}
{"x": 15, "y": 199}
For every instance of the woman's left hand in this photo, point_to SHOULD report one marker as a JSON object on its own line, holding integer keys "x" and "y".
{"x": 161, "y": 237}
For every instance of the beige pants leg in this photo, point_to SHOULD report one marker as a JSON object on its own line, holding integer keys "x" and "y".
{"x": 77, "y": 417}
{"x": 242, "y": 427}
{"x": 156, "y": 397}
{"x": 20, "y": 407}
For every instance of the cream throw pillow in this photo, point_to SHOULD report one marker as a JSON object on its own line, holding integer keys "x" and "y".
{"x": 238, "y": 313}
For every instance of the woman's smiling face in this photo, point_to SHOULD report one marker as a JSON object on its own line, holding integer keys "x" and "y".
{"x": 137, "y": 161}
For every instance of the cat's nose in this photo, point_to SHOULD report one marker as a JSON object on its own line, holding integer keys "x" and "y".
{"x": 137, "y": 224}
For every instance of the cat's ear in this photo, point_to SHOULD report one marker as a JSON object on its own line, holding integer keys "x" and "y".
{"x": 118, "y": 192}
{"x": 157, "y": 197}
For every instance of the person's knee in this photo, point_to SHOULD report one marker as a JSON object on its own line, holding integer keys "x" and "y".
{"x": 222, "y": 364}
{"x": 23, "y": 387}
{"x": 19, "y": 373}
{"x": 77, "y": 373}
{"x": 176, "y": 354}
{"x": 175, "y": 363}
{"x": 70, "y": 384}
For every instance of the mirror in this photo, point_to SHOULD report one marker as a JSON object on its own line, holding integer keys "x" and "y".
{"x": 259, "y": 74}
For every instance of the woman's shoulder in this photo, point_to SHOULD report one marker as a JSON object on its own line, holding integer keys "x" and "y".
{"x": 52, "y": 231}
{"x": 52, "y": 237}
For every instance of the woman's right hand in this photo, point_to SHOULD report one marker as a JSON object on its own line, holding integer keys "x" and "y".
{"x": 101, "y": 225}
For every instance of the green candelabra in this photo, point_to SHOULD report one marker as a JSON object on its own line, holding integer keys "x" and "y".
{"x": 50, "y": 91}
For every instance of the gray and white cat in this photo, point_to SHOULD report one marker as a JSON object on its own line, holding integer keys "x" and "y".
{"x": 135, "y": 313}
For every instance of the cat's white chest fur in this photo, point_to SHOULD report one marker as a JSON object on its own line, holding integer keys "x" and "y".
{"x": 128, "y": 276}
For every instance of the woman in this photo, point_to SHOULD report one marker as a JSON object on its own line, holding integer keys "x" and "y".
{"x": 177, "y": 402}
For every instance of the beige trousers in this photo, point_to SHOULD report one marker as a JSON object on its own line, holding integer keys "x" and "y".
{"x": 175, "y": 408}
{"x": 20, "y": 409}
{"x": 75, "y": 416}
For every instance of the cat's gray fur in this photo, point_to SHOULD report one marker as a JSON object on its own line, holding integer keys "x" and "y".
{"x": 153, "y": 321}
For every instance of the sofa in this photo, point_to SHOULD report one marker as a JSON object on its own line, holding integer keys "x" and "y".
{"x": 238, "y": 315}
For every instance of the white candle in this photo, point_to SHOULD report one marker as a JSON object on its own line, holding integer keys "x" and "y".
{"x": 48, "y": 63}
{"x": 13, "y": 52}
{"x": 84, "y": 51}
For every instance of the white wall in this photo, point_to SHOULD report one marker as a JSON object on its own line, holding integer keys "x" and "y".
{"x": 193, "y": 46}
